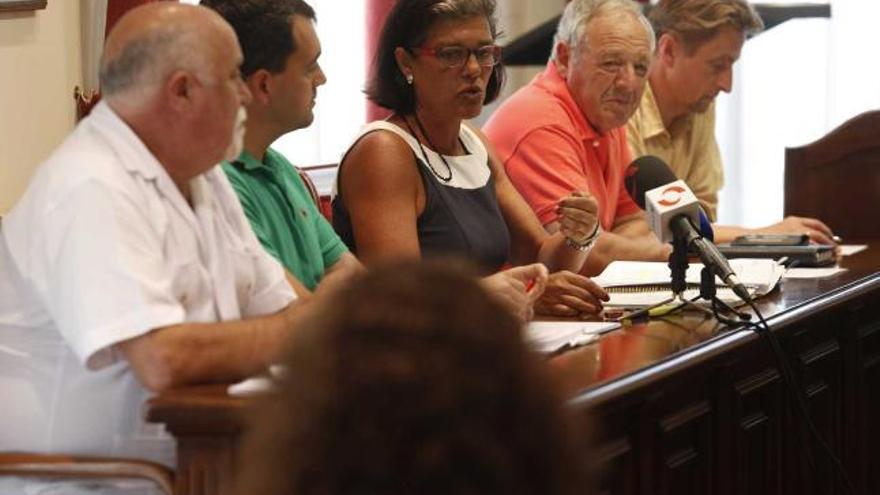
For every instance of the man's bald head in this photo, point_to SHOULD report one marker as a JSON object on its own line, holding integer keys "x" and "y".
{"x": 154, "y": 40}
{"x": 170, "y": 71}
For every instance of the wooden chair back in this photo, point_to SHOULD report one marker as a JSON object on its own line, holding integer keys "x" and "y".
{"x": 322, "y": 202}
{"x": 837, "y": 178}
{"x": 78, "y": 467}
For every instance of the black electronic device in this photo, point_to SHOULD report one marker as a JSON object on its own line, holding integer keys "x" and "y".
{"x": 772, "y": 240}
{"x": 801, "y": 255}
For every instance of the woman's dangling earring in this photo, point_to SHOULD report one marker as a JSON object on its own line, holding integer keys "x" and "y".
{"x": 409, "y": 79}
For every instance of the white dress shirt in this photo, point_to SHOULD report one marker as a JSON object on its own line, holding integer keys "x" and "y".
{"x": 100, "y": 249}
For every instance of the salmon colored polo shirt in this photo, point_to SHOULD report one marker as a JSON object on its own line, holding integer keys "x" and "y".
{"x": 549, "y": 149}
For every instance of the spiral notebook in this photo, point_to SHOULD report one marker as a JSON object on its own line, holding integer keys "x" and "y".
{"x": 636, "y": 284}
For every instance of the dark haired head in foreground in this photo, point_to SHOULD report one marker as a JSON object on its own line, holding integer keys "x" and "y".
{"x": 415, "y": 381}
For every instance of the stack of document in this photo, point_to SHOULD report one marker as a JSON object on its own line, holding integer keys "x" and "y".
{"x": 636, "y": 284}
{"x": 551, "y": 336}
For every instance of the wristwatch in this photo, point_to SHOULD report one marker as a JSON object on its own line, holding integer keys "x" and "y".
{"x": 587, "y": 244}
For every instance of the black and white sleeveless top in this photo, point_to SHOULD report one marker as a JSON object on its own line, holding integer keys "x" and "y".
{"x": 461, "y": 217}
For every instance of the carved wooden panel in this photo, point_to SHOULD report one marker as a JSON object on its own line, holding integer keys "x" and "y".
{"x": 817, "y": 365}
{"x": 618, "y": 467}
{"x": 862, "y": 403}
{"x": 755, "y": 440}
{"x": 619, "y": 439}
{"x": 205, "y": 465}
{"x": 684, "y": 446}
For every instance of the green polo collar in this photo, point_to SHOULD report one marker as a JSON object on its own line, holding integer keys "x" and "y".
{"x": 248, "y": 161}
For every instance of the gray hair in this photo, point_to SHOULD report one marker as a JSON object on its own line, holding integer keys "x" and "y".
{"x": 579, "y": 13}
{"x": 145, "y": 61}
{"x": 463, "y": 9}
{"x": 466, "y": 8}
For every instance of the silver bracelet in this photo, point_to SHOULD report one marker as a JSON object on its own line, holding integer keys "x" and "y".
{"x": 588, "y": 242}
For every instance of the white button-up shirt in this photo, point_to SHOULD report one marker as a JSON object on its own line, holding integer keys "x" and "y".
{"x": 103, "y": 248}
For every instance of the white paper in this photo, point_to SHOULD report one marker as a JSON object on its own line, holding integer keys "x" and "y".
{"x": 804, "y": 272}
{"x": 550, "y": 336}
{"x": 251, "y": 386}
{"x": 634, "y": 284}
{"x": 851, "y": 249}
{"x": 258, "y": 384}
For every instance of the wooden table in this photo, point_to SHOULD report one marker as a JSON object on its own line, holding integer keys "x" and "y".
{"x": 680, "y": 405}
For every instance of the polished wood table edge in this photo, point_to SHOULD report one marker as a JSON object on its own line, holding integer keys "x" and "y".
{"x": 182, "y": 410}
{"x": 722, "y": 343}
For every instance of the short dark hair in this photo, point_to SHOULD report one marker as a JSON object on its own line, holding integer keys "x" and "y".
{"x": 263, "y": 30}
{"x": 416, "y": 381}
{"x": 406, "y": 27}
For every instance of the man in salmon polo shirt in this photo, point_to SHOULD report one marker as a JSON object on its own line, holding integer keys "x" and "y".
{"x": 565, "y": 131}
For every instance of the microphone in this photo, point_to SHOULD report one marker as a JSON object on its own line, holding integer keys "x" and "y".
{"x": 673, "y": 212}
{"x": 650, "y": 172}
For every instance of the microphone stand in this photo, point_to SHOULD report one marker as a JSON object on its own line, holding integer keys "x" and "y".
{"x": 678, "y": 265}
{"x": 708, "y": 292}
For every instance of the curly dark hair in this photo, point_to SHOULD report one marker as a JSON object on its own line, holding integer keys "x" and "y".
{"x": 263, "y": 28}
{"x": 416, "y": 381}
{"x": 406, "y": 27}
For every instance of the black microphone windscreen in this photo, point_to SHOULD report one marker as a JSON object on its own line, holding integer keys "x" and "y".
{"x": 646, "y": 173}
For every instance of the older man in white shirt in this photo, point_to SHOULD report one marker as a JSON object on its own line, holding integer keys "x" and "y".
{"x": 128, "y": 265}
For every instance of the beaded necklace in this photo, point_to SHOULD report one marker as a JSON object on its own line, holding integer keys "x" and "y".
{"x": 422, "y": 148}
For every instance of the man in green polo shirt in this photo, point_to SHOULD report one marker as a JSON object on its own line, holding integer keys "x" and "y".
{"x": 281, "y": 70}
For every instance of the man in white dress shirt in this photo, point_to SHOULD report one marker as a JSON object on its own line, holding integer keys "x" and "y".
{"x": 128, "y": 266}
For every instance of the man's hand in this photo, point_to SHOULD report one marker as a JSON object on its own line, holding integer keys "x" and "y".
{"x": 570, "y": 294}
{"x": 518, "y": 288}
{"x": 578, "y": 216}
{"x": 818, "y": 231}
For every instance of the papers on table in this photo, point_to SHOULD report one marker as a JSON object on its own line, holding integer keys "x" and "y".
{"x": 851, "y": 249}
{"x": 813, "y": 272}
{"x": 635, "y": 284}
{"x": 257, "y": 384}
{"x": 251, "y": 386}
{"x": 551, "y": 336}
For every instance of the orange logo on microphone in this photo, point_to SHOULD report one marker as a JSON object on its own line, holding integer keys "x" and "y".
{"x": 671, "y": 195}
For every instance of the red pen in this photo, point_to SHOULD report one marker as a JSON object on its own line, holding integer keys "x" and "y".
{"x": 530, "y": 286}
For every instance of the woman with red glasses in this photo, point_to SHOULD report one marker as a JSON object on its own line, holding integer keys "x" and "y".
{"x": 424, "y": 183}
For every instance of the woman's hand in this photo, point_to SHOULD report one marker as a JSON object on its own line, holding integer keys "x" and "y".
{"x": 518, "y": 288}
{"x": 570, "y": 294}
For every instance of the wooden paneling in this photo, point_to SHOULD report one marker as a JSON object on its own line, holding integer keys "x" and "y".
{"x": 617, "y": 440}
{"x": 200, "y": 465}
{"x": 861, "y": 434}
{"x": 754, "y": 434}
{"x": 685, "y": 448}
{"x": 727, "y": 425}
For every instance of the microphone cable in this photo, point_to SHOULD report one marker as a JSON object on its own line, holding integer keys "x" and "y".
{"x": 763, "y": 329}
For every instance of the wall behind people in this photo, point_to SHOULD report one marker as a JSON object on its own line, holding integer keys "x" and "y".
{"x": 515, "y": 18}
{"x": 793, "y": 84}
{"x": 40, "y": 60}
{"x": 340, "y": 108}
